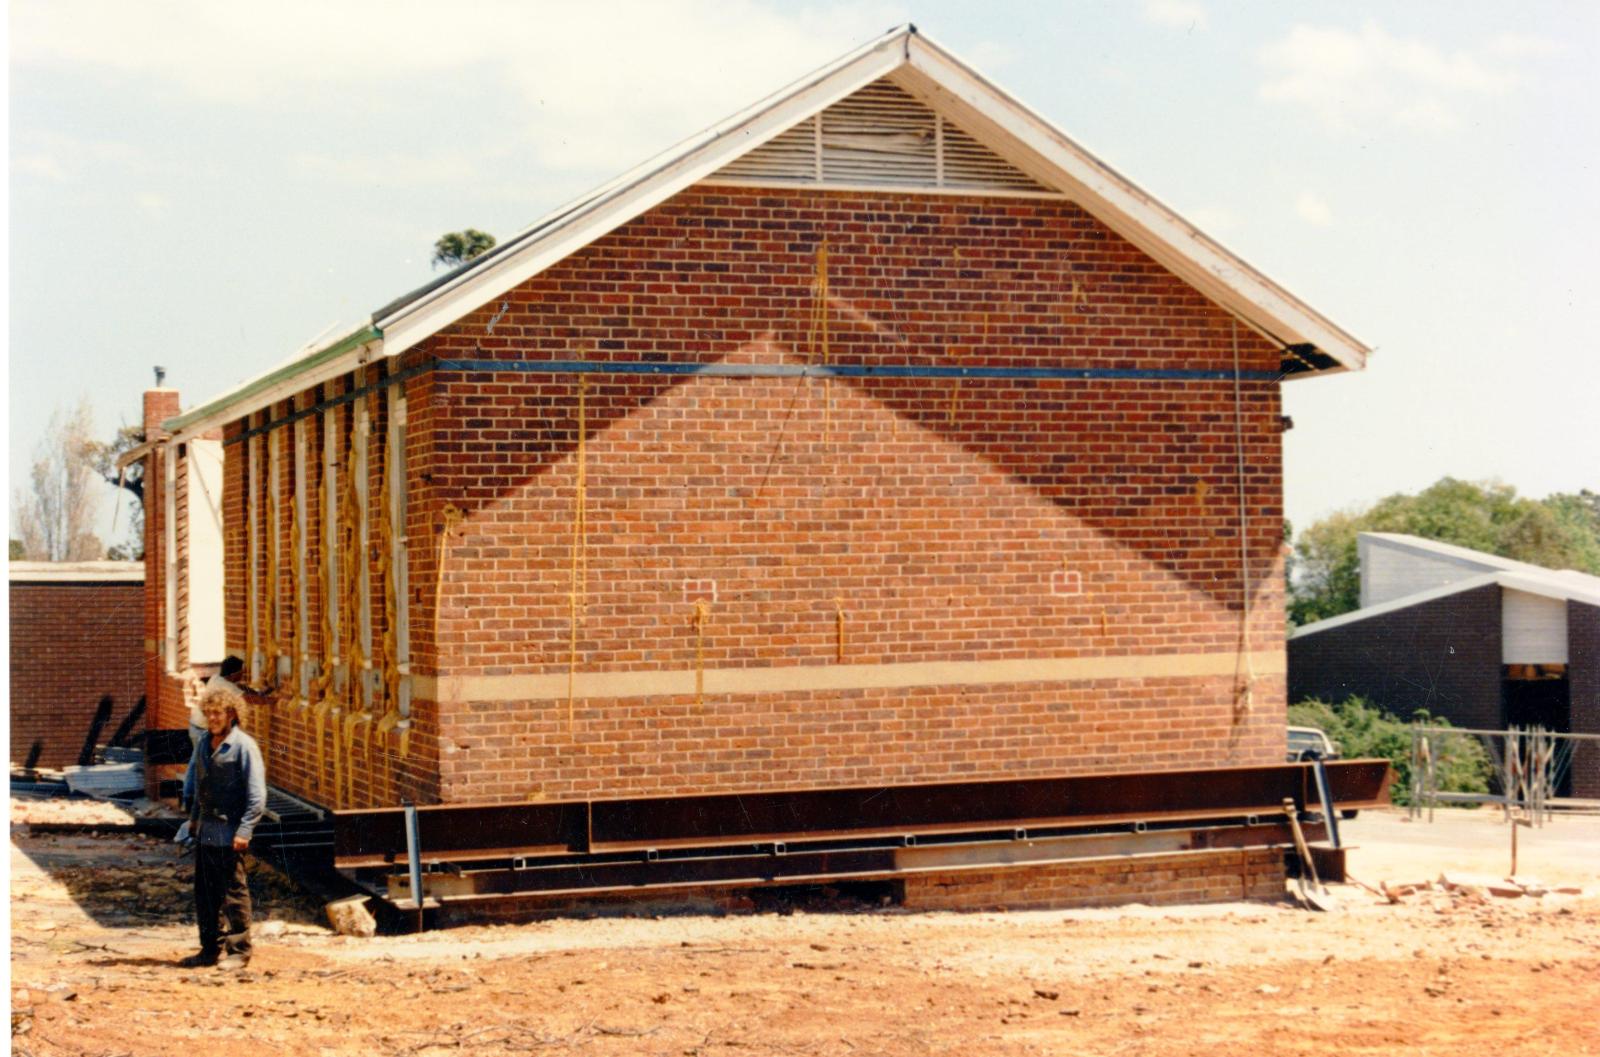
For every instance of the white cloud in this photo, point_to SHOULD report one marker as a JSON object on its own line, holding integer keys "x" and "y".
{"x": 1313, "y": 210}
{"x": 1175, "y": 14}
{"x": 1353, "y": 79}
{"x": 574, "y": 73}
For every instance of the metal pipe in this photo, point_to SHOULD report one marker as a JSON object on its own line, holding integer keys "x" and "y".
{"x": 844, "y": 370}
{"x": 336, "y": 401}
{"x": 414, "y": 858}
{"x": 1328, "y": 811}
{"x": 753, "y": 370}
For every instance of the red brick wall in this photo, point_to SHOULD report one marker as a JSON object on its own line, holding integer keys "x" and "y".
{"x": 366, "y": 768}
{"x": 981, "y": 522}
{"x": 162, "y": 692}
{"x": 72, "y": 644}
{"x": 940, "y": 515}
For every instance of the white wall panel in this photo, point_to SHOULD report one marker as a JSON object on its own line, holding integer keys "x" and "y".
{"x": 207, "y": 635}
{"x": 1389, "y": 572}
{"x": 1534, "y": 629}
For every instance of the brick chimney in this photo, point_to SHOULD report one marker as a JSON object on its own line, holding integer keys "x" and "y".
{"x": 159, "y": 405}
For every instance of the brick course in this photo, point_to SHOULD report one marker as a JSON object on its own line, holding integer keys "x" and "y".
{"x": 972, "y": 522}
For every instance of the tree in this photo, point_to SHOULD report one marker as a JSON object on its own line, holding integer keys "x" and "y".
{"x": 458, "y": 247}
{"x": 1561, "y": 532}
{"x": 1581, "y": 511}
{"x": 103, "y": 457}
{"x": 55, "y": 514}
{"x": 1363, "y": 729}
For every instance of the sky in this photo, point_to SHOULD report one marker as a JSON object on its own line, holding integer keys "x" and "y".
{"x": 210, "y": 186}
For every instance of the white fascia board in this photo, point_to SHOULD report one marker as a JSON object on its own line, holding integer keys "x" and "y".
{"x": 1551, "y": 585}
{"x": 75, "y": 572}
{"x": 1120, "y": 204}
{"x": 1397, "y": 604}
{"x": 639, "y": 191}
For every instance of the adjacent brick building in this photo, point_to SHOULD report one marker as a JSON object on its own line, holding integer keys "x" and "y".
{"x": 879, "y": 435}
{"x": 77, "y": 667}
{"x": 182, "y": 604}
{"x": 1479, "y": 640}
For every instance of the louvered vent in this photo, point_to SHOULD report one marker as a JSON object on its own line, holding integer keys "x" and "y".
{"x": 968, "y": 163}
{"x": 884, "y": 136}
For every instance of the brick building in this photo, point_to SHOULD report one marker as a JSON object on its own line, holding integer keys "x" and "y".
{"x": 77, "y": 669}
{"x": 1482, "y": 641}
{"x": 879, "y": 434}
{"x": 183, "y": 575}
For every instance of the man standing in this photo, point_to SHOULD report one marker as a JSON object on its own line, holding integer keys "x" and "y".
{"x": 226, "y": 790}
{"x": 194, "y": 687}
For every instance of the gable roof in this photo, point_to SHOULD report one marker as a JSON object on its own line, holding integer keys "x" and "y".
{"x": 1468, "y": 558}
{"x": 922, "y": 69}
{"x": 1483, "y": 570}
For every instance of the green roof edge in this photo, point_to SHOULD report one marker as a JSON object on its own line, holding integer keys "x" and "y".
{"x": 354, "y": 339}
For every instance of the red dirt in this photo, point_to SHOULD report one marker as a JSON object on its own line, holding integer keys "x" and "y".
{"x": 98, "y": 921}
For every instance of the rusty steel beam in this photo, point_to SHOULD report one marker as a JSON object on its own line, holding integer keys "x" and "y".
{"x": 467, "y": 832}
{"x": 454, "y": 832}
{"x": 823, "y": 861}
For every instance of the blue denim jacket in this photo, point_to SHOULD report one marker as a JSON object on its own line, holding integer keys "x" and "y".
{"x": 237, "y": 788}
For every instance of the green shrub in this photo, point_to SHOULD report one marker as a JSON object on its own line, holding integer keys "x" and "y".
{"x": 1363, "y": 730}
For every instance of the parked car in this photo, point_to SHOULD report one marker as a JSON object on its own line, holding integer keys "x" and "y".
{"x": 1312, "y": 743}
{"x": 1309, "y": 743}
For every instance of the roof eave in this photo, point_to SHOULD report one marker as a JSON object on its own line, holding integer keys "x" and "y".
{"x": 1026, "y": 138}
{"x": 329, "y": 361}
{"x": 410, "y": 321}
{"x": 1138, "y": 216}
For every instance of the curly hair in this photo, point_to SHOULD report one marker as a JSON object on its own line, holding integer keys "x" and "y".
{"x": 229, "y": 698}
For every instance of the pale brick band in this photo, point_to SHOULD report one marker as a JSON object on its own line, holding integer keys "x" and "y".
{"x": 844, "y": 676}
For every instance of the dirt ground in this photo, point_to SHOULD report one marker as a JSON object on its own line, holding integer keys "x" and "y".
{"x": 98, "y": 921}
